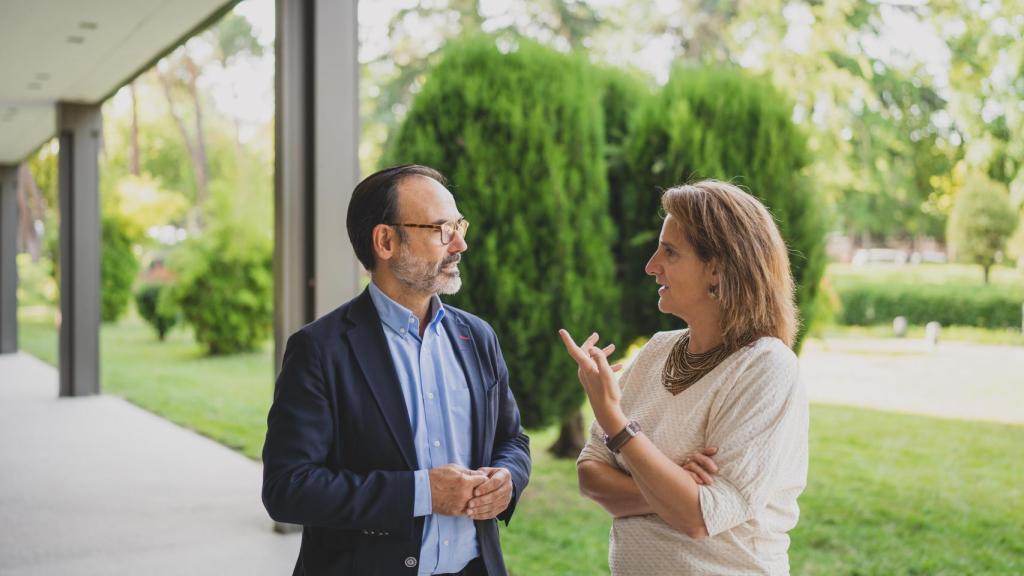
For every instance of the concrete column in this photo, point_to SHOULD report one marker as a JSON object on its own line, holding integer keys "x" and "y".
{"x": 8, "y": 262}
{"x": 316, "y": 163}
{"x": 78, "y": 128}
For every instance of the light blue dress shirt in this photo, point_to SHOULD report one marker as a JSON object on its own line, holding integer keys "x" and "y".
{"x": 437, "y": 397}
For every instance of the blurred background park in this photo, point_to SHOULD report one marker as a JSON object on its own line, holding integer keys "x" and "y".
{"x": 881, "y": 134}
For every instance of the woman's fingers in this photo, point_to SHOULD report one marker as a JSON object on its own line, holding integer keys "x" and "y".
{"x": 600, "y": 359}
{"x": 616, "y": 367}
{"x": 577, "y": 354}
{"x": 710, "y": 450}
{"x": 608, "y": 350}
{"x": 704, "y": 462}
{"x": 693, "y": 468}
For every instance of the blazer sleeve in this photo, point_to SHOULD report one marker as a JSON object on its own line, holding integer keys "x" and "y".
{"x": 511, "y": 444}
{"x": 298, "y": 485}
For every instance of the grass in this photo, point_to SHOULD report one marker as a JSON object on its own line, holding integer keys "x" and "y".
{"x": 888, "y": 494}
{"x": 962, "y": 274}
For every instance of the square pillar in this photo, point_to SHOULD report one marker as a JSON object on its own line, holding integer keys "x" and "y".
{"x": 316, "y": 161}
{"x": 8, "y": 259}
{"x": 78, "y": 129}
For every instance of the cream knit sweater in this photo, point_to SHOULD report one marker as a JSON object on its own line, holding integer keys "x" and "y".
{"x": 753, "y": 407}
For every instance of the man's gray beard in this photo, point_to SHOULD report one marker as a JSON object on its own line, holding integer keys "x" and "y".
{"x": 424, "y": 277}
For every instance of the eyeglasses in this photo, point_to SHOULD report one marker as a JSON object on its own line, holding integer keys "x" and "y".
{"x": 447, "y": 229}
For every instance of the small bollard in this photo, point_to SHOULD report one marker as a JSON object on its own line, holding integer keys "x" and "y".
{"x": 899, "y": 326}
{"x": 931, "y": 333}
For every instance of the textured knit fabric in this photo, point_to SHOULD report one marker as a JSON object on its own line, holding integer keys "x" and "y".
{"x": 753, "y": 407}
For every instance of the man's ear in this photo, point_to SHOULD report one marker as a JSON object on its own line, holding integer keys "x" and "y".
{"x": 385, "y": 242}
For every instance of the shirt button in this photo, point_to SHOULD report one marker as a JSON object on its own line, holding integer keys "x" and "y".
{"x": 401, "y": 330}
{"x": 445, "y": 542}
{"x": 410, "y": 562}
{"x": 430, "y": 395}
{"x": 437, "y": 443}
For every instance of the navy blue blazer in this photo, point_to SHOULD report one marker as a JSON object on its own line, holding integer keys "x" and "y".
{"x": 339, "y": 454}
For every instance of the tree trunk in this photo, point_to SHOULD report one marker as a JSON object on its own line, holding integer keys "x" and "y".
{"x": 570, "y": 437}
{"x": 202, "y": 179}
{"x": 987, "y": 267}
{"x": 195, "y": 224}
{"x": 30, "y": 208}
{"x": 135, "y": 132}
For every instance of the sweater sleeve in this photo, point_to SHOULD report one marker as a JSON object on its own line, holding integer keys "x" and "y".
{"x": 760, "y": 428}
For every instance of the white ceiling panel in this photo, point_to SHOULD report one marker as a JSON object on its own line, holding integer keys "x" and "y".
{"x": 79, "y": 51}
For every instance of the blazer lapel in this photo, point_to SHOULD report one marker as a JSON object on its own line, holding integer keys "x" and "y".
{"x": 371, "y": 351}
{"x": 465, "y": 349}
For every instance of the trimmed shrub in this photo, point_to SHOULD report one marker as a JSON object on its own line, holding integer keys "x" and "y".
{"x": 519, "y": 133}
{"x": 225, "y": 290}
{"x": 156, "y": 305}
{"x": 981, "y": 222}
{"x": 723, "y": 124}
{"x": 118, "y": 268}
{"x": 979, "y": 306}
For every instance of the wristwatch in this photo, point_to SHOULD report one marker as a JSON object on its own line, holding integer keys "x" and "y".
{"x": 615, "y": 443}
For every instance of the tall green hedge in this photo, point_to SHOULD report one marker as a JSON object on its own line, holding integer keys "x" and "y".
{"x": 621, "y": 94}
{"x": 724, "y": 124}
{"x": 519, "y": 133}
{"x": 118, "y": 267}
{"x": 986, "y": 306}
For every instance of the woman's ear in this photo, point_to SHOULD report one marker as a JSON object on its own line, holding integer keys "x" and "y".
{"x": 711, "y": 268}
{"x": 385, "y": 242}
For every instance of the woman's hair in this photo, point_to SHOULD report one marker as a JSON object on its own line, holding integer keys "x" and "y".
{"x": 755, "y": 288}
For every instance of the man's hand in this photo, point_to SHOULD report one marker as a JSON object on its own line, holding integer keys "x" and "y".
{"x": 451, "y": 487}
{"x": 491, "y": 497}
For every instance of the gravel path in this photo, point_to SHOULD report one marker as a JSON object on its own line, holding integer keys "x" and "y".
{"x": 956, "y": 379}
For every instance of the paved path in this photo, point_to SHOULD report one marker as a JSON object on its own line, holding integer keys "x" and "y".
{"x": 955, "y": 380}
{"x": 99, "y": 486}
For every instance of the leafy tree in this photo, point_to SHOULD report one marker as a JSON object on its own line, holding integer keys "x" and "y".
{"x": 155, "y": 303}
{"x": 518, "y": 130}
{"x": 982, "y": 221}
{"x": 225, "y": 289}
{"x": 118, "y": 267}
{"x": 723, "y": 124}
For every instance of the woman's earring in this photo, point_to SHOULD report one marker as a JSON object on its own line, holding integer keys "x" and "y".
{"x": 713, "y": 291}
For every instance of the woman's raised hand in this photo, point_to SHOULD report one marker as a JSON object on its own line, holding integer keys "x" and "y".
{"x": 595, "y": 373}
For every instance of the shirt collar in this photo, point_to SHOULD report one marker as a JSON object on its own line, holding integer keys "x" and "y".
{"x": 401, "y": 319}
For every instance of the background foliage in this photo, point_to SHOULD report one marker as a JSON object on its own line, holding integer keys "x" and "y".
{"x": 519, "y": 132}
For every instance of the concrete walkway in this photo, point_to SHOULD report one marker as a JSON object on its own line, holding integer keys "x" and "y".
{"x": 955, "y": 380}
{"x": 99, "y": 486}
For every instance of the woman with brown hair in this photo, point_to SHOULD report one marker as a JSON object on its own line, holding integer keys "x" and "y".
{"x": 729, "y": 382}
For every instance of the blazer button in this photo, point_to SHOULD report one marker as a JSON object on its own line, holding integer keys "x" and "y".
{"x": 410, "y": 562}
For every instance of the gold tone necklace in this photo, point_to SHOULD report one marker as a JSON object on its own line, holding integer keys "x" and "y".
{"x": 684, "y": 368}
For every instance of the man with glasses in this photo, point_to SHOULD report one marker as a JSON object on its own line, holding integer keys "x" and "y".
{"x": 394, "y": 438}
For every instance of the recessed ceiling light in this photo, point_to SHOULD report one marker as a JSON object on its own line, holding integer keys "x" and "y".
{"x": 88, "y": 25}
{"x": 75, "y": 40}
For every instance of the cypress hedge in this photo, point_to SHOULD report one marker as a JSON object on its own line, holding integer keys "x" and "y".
{"x": 519, "y": 133}
{"x": 728, "y": 125}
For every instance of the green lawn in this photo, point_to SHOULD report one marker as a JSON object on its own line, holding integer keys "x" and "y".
{"x": 888, "y": 493}
{"x": 924, "y": 274}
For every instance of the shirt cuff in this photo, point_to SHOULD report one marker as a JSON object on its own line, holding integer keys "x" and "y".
{"x": 422, "y": 503}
